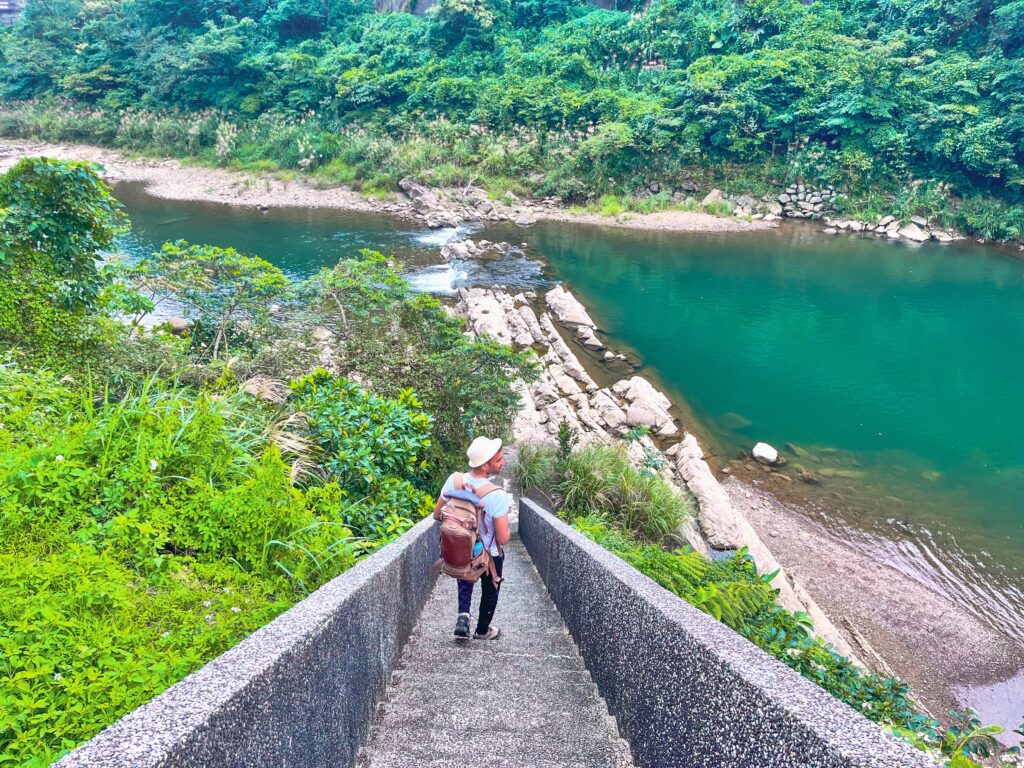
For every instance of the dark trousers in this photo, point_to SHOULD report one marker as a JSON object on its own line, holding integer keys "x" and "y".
{"x": 488, "y": 598}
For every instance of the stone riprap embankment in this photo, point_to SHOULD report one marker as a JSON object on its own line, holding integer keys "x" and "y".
{"x": 915, "y": 230}
{"x": 604, "y": 415}
{"x": 685, "y": 689}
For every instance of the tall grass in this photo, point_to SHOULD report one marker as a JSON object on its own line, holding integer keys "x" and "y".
{"x": 599, "y": 481}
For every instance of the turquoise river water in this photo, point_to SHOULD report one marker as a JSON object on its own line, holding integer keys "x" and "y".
{"x": 897, "y": 371}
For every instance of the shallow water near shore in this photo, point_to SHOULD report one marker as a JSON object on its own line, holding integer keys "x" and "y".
{"x": 894, "y": 371}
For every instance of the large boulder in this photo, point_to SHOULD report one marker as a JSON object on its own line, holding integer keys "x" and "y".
{"x": 608, "y": 411}
{"x": 639, "y": 390}
{"x": 567, "y": 307}
{"x": 714, "y": 196}
{"x": 644, "y": 415}
{"x": 178, "y": 325}
{"x": 423, "y": 198}
{"x": 913, "y": 232}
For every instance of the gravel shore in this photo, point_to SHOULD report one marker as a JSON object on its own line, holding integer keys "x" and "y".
{"x": 170, "y": 179}
{"x": 929, "y": 641}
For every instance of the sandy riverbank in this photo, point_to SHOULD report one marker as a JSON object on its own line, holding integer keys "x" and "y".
{"x": 170, "y": 179}
{"x": 931, "y": 642}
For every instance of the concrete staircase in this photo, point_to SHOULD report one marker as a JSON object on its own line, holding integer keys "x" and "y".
{"x": 535, "y": 703}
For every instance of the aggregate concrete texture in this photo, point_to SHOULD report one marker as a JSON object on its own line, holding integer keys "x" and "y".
{"x": 686, "y": 689}
{"x": 299, "y": 692}
{"x": 524, "y": 700}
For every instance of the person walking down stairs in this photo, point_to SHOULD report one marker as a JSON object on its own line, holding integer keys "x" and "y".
{"x": 485, "y": 460}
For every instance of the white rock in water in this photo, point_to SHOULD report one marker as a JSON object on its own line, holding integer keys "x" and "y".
{"x": 567, "y": 308}
{"x": 886, "y": 221}
{"x": 914, "y": 232}
{"x": 765, "y": 453}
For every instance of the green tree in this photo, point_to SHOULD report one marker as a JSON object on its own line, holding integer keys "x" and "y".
{"x": 227, "y": 293}
{"x": 56, "y": 219}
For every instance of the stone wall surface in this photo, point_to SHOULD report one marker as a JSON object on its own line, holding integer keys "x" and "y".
{"x": 687, "y": 690}
{"x": 299, "y": 692}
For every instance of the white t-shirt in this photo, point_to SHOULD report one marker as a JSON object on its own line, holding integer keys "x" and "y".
{"x": 496, "y": 504}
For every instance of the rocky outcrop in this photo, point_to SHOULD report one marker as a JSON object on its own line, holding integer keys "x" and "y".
{"x": 803, "y": 202}
{"x": 916, "y": 230}
{"x": 604, "y": 415}
{"x": 564, "y": 389}
{"x": 464, "y": 249}
{"x": 567, "y": 308}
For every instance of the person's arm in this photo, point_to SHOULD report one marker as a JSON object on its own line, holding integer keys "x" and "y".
{"x": 448, "y": 485}
{"x": 501, "y": 532}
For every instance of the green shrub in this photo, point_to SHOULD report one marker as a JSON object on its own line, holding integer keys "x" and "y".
{"x": 600, "y": 481}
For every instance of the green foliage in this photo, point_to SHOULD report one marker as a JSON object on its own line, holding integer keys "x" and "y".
{"x": 227, "y": 293}
{"x": 733, "y": 592}
{"x": 551, "y": 98}
{"x": 567, "y": 439}
{"x": 372, "y": 445}
{"x": 154, "y": 511}
{"x": 967, "y": 737}
{"x": 393, "y": 339}
{"x": 55, "y": 220}
{"x": 600, "y": 481}
{"x": 149, "y": 515}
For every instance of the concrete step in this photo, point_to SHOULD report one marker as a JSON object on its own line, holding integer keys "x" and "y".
{"x": 511, "y": 641}
{"x": 484, "y": 751}
{"x": 484, "y": 760}
{"x": 526, "y": 697}
{"x": 438, "y": 658}
{"x": 561, "y": 726}
{"x": 525, "y": 700}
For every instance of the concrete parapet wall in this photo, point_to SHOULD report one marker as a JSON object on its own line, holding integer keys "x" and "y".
{"x": 299, "y": 692}
{"x": 686, "y": 689}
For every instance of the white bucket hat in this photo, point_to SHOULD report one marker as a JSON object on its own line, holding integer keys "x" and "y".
{"x": 482, "y": 449}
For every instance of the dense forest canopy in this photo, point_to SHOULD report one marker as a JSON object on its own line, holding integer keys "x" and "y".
{"x": 853, "y": 92}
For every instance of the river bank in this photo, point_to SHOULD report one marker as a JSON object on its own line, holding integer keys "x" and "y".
{"x": 896, "y": 623}
{"x": 173, "y": 180}
{"x": 190, "y": 181}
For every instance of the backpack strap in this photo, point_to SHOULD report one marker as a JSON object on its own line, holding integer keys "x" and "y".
{"x": 482, "y": 491}
{"x": 486, "y": 488}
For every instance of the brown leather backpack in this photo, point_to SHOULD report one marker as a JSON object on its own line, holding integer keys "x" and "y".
{"x": 462, "y": 518}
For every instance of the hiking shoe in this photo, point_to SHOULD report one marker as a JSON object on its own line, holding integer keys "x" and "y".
{"x": 462, "y": 627}
{"x": 490, "y": 634}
